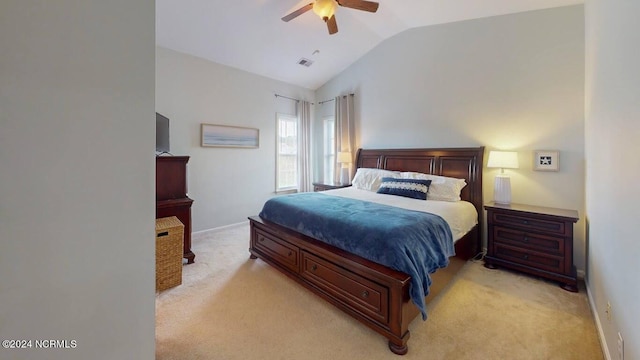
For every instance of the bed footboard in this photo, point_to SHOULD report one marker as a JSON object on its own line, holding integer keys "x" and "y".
{"x": 371, "y": 293}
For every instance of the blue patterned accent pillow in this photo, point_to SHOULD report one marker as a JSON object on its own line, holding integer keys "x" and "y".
{"x": 411, "y": 188}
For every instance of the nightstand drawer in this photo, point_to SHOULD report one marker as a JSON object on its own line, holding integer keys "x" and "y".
{"x": 524, "y": 222}
{"x": 528, "y": 257}
{"x": 544, "y": 243}
{"x": 318, "y": 186}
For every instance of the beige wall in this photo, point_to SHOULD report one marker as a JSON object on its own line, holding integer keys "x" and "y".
{"x": 612, "y": 103}
{"x": 77, "y": 177}
{"x": 227, "y": 184}
{"x": 506, "y": 82}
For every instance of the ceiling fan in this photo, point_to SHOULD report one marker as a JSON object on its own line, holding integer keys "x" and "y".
{"x": 326, "y": 9}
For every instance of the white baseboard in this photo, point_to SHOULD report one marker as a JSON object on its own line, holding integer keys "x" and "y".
{"x": 224, "y": 227}
{"x": 594, "y": 313}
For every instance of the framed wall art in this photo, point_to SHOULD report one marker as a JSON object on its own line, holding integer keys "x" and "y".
{"x": 546, "y": 160}
{"x": 229, "y": 136}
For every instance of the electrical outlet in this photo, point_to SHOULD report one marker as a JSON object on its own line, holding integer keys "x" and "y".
{"x": 620, "y": 347}
{"x": 608, "y": 311}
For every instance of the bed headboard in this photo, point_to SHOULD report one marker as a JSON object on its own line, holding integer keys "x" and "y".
{"x": 461, "y": 163}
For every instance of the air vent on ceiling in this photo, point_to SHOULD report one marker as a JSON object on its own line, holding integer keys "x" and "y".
{"x": 305, "y": 62}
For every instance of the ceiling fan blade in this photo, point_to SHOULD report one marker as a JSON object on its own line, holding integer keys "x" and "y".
{"x": 364, "y": 5}
{"x": 298, "y": 12}
{"x": 332, "y": 25}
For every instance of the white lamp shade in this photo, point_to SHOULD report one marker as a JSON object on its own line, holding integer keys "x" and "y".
{"x": 344, "y": 157}
{"x": 503, "y": 159}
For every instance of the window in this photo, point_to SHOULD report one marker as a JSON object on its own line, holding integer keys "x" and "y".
{"x": 329, "y": 145}
{"x": 287, "y": 153}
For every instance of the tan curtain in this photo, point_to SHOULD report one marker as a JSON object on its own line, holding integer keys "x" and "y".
{"x": 345, "y": 132}
{"x": 304, "y": 146}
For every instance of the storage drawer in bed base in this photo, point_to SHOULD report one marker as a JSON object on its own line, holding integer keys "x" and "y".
{"x": 353, "y": 290}
{"x": 373, "y": 294}
{"x": 284, "y": 253}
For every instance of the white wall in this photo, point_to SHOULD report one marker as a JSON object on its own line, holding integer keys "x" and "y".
{"x": 612, "y": 103}
{"x": 227, "y": 184}
{"x": 76, "y": 177}
{"x": 508, "y": 82}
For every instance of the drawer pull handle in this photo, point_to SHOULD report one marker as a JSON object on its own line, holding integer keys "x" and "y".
{"x": 290, "y": 253}
{"x": 314, "y": 267}
{"x": 526, "y": 239}
{"x": 261, "y": 239}
{"x": 526, "y": 256}
{"x": 365, "y": 294}
{"x": 525, "y": 222}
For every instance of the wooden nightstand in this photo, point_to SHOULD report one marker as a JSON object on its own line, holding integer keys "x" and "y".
{"x": 321, "y": 186}
{"x": 532, "y": 239}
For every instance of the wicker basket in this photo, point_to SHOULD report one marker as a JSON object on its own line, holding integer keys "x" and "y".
{"x": 169, "y": 251}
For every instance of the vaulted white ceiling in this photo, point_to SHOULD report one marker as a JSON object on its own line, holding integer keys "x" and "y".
{"x": 250, "y": 35}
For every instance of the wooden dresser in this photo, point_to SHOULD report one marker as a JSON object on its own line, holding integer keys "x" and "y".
{"x": 532, "y": 239}
{"x": 171, "y": 195}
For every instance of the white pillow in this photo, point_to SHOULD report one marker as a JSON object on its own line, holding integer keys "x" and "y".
{"x": 370, "y": 179}
{"x": 442, "y": 188}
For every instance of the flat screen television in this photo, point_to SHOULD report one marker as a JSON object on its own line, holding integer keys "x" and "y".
{"x": 162, "y": 134}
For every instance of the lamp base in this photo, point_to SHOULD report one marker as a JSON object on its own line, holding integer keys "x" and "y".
{"x": 344, "y": 176}
{"x": 502, "y": 190}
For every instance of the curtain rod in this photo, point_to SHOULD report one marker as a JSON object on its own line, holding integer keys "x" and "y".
{"x": 292, "y": 99}
{"x": 322, "y": 102}
{"x": 286, "y": 97}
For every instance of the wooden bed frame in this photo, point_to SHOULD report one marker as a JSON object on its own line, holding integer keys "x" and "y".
{"x": 372, "y": 293}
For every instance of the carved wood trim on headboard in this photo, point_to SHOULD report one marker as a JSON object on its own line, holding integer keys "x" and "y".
{"x": 461, "y": 163}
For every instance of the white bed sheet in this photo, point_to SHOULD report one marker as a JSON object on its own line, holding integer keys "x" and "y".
{"x": 460, "y": 215}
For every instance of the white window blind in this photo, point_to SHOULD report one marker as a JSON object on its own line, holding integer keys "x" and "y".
{"x": 287, "y": 153}
{"x": 329, "y": 148}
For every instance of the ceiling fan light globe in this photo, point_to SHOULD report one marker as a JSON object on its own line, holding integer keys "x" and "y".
{"x": 324, "y": 8}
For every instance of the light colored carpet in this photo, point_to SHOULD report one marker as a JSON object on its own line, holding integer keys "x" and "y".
{"x": 231, "y": 307}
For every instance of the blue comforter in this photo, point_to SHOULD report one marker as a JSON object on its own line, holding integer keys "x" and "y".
{"x": 412, "y": 242}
